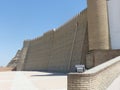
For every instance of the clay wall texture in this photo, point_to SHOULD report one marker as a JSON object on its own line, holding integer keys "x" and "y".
{"x": 96, "y": 57}
{"x": 97, "y": 78}
{"x": 98, "y": 32}
{"x": 82, "y": 40}
{"x": 22, "y": 56}
{"x": 59, "y": 50}
{"x": 13, "y": 63}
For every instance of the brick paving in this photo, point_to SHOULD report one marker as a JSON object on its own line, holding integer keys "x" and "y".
{"x": 32, "y": 81}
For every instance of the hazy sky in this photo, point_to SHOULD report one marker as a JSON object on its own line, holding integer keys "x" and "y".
{"x": 27, "y": 19}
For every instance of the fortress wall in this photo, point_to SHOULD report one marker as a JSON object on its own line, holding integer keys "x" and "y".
{"x": 97, "y": 78}
{"x": 62, "y": 44}
{"x": 80, "y": 46}
{"x": 68, "y": 40}
{"x": 23, "y": 54}
{"x": 39, "y": 52}
{"x": 98, "y": 57}
{"x": 59, "y": 50}
{"x": 14, "y": 61}
{"x": 98, "y": 32}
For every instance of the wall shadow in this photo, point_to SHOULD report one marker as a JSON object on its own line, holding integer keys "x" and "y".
{"x": 52, "y": 74}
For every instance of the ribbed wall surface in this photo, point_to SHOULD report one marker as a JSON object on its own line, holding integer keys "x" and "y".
{"x": 22, "y": 56}
{"x": 98, "y": 32}
{"x": 39, "y": 52}
{"x": 59, "y": 50}
{"x": 13, "y": 63}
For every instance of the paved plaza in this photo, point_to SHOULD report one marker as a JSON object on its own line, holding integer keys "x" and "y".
{"x": 32, "y": 81}
{"x": 115, "y": 84}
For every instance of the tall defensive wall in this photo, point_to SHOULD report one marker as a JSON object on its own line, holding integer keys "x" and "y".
{"x": 58, "y": 50}
{"x": 98, "y": 32}
{"x": 85, "y": 39}
{"x": 14, "y": 61}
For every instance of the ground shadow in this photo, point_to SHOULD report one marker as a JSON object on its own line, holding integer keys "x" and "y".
{"x": 51, "y": 74}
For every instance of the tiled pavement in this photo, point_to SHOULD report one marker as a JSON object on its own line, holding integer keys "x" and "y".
{"x": 32, "y": 81}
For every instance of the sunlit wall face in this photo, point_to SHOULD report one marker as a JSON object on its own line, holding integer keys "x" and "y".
{"x": 114, "y": 22}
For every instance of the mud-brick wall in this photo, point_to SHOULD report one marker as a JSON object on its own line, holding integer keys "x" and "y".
{"x": 13, "y": 63}
{"x": 39, "y": 52}
{"x": 97, "y": 57}
{"x": 98, "y": 32}
{"x": 22, "y": 56}
{"x": 61, "y": 49}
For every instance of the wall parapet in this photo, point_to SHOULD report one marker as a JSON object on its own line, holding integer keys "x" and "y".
{"x": 97, "y": 78}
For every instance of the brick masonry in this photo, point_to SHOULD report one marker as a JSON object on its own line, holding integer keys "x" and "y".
{"x": 21, "y": 60}
{"x": 97, "y": 78}
{"x": 96, "y": 57}
{"x": 58, "y": 50}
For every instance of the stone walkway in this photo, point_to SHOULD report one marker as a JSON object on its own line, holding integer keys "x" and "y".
{"x": 115, "y": 84}
{"x": 32, "y": 81}
{"x": 39, "y": 81}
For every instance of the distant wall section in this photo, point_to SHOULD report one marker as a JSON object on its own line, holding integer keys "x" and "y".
{"x": 23, "y": 55}
{"x": 14, "y": 62}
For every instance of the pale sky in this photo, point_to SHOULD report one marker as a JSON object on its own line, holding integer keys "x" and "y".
{"x": 27, "y": 19}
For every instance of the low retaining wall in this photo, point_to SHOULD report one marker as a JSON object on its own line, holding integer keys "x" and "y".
{"x": 97, "y": 78}
{"x": 97, "y": 57}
